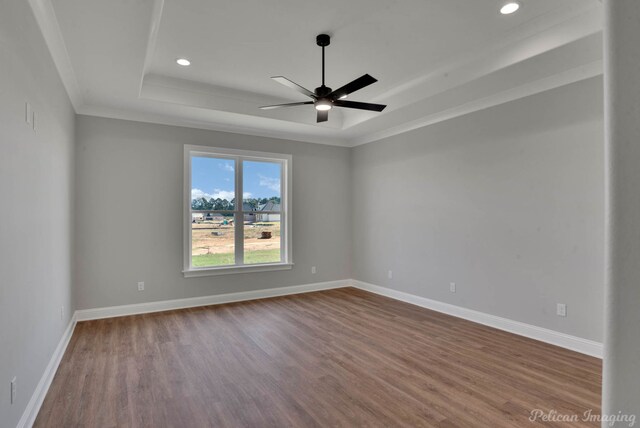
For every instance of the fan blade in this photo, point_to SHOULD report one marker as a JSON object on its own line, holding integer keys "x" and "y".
{"x": 358, "y": 105}
{"x": 286, "y": 105}
{"x": 323, "y": 116}
{"x": 353, "y": 86}
{"x": 286, "y": 82}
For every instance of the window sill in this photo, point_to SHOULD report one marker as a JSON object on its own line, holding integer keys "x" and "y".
{"x": 194, "y": 273}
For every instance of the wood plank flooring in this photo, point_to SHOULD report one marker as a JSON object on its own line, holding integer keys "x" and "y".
{"x": 338, "y": 358}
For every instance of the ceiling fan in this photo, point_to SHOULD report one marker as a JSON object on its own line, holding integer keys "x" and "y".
{"x": 324, "y": 98}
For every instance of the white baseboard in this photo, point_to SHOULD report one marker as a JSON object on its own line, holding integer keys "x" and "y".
{"x": 563, "y": 340}
{"x": 37, "y": 398}
{"x": 192, "y": 302}
{"x": 567, "y": 341}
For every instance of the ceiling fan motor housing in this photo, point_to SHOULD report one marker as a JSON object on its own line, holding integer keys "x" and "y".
{"x": 323, "y": 91}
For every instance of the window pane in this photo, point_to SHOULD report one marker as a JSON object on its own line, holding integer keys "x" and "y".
{"x": 212, "y": 184}
{"x": 262, "y": 187}
{"x": 261, "y": 205}
{"x": 212, "y": 233}
{"x": 262, "y": 240}
{"x": 212, "y": 241}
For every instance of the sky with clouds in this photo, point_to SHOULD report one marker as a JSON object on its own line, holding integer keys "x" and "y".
{"x": 214, "y": 178}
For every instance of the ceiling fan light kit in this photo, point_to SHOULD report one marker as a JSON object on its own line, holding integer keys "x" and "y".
{"x": 324, "y": 99}
{"x": 323, "y": 105}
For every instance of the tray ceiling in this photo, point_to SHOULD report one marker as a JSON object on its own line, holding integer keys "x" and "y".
{"x": 434, "y": 59}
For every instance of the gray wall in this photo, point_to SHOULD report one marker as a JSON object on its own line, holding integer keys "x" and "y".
{"x": 129, "y": 213}
{"x": 507, "y": 202}
{"x": 36, "y": 197}
{"x": 621, "y": 368}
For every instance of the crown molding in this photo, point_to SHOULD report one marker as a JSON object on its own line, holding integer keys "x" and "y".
{"x": 188, "y": 119}
{"x": 46, "y": 18}
{"x": 154, "y": 27}
{"x": 557, "y": 80}
{"x": 529, "y": 41}
{"x": 545, "y": 33}
{"x": 217, "y": 98}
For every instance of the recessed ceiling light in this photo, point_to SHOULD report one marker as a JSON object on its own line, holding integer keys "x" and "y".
{"x": 183, "y": 62}
{"x": 509, "y": 8}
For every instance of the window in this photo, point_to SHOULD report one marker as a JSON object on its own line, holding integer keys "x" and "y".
{"x": 237, "y": 216}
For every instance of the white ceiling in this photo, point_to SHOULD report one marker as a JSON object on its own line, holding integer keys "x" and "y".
{"x": 434, "y": 59}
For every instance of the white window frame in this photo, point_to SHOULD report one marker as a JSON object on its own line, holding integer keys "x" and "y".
{"x": 286, "y": 261}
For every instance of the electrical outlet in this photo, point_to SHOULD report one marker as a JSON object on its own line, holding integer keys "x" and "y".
{"x": 141, "y": 286}
{"x": 452, "y": 287}
{"x": 14, "y": 390}
{"x": 390, "y": 274}
{"x": 562, "y": 310}
{"x": 313, "y": 270}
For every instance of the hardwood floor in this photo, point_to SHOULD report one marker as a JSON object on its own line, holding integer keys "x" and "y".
{"x": 343, "y": 357}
